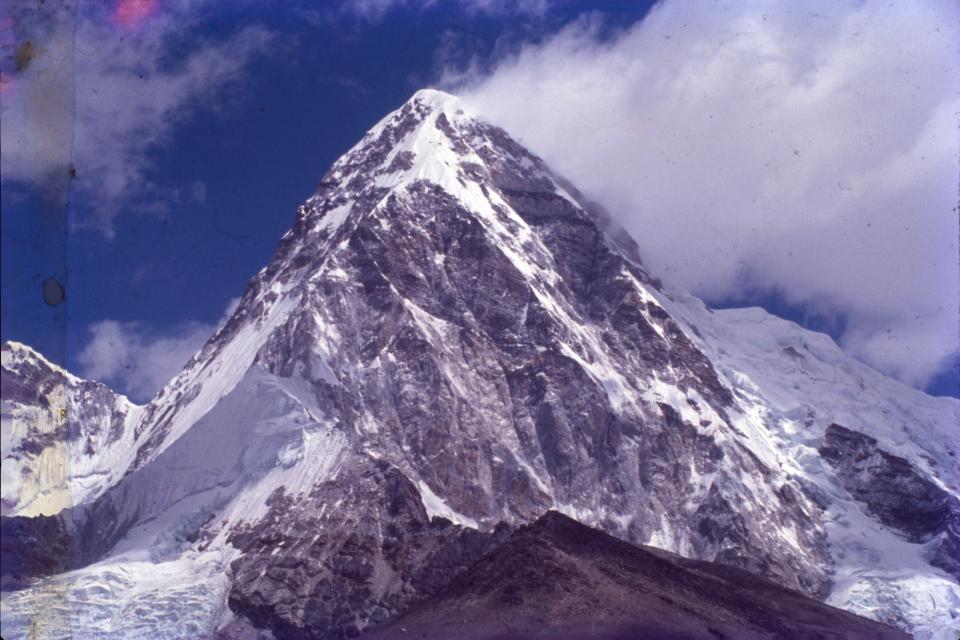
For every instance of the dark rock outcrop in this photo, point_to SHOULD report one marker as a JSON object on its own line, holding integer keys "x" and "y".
{"x": 896, "y": 493}
{"x": 562, "y": 580}
{"x": 888, "y": 485}
{"x": 30, "y": 547}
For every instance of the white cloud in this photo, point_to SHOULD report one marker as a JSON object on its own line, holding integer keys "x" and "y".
{"x": 137, "y": 360}
{"x": 807, "y": 148}
{"x": 907, "y": 349}
{"x": 103, "y": 88}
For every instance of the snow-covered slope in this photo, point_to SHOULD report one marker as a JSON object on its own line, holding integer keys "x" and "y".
{"x": 448, "y": 330}
{"x": 798, "y": 383}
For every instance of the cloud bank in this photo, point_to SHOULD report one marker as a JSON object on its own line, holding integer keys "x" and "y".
{"x": 137, "y": 360}
{"x": 805, "y": 149}
{"x": 94, "y": 87}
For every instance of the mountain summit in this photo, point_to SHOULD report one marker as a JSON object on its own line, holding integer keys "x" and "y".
{"x": 448, "y": 342}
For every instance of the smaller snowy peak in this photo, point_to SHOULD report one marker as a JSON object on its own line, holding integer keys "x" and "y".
{"x": 24, "y": 365}
{"x": 62, "y": 435}
{"x": 11, "y": 347}
{"x": 21, "y": 358}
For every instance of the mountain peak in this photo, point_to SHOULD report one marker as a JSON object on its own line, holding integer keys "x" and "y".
{"x": 16, "y": 355}
{"x": 447, "y": 331}
{"x": 431, "y": 139}
{"x": 436, "y": 99}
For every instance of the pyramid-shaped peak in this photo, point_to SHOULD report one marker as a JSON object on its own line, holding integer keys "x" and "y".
{"x": 431, "y": 138}
{"x": 422, "y": 111}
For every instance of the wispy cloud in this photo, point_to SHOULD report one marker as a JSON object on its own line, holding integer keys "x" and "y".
{"x": 138, "y": 360}
{"x": 104, "y": 85}
{"x": 750, "y": 146}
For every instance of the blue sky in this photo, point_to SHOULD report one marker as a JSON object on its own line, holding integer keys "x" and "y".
{"x": 205, "y": 127}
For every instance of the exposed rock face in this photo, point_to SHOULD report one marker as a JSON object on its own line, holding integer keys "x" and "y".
{"x": 896, "y": 493}
{"x": 448, "y": 331}
{"x": 889, "y": 486}
{"x": 37, "y": 546}
{"x": 351, "y": 567}
{"x": 562, "y": 580}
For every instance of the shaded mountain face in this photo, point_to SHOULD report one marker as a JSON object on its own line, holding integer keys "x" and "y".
{"x": 559, "y": 579}
{"x": 449, "y": 330}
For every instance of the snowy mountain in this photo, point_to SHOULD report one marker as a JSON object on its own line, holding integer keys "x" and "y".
{"x": 450, "y": 330}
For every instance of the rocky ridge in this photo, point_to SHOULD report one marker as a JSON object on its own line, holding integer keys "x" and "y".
{"x": 559, "y": 579}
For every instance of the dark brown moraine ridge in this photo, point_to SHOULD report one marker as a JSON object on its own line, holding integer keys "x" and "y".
{"x": 563, "y": 580}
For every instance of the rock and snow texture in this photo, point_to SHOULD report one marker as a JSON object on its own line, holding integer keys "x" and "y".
{"x": 881, "y": 458}
{"x": 62, "y": 439}
{"x": 447, "y": 330}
